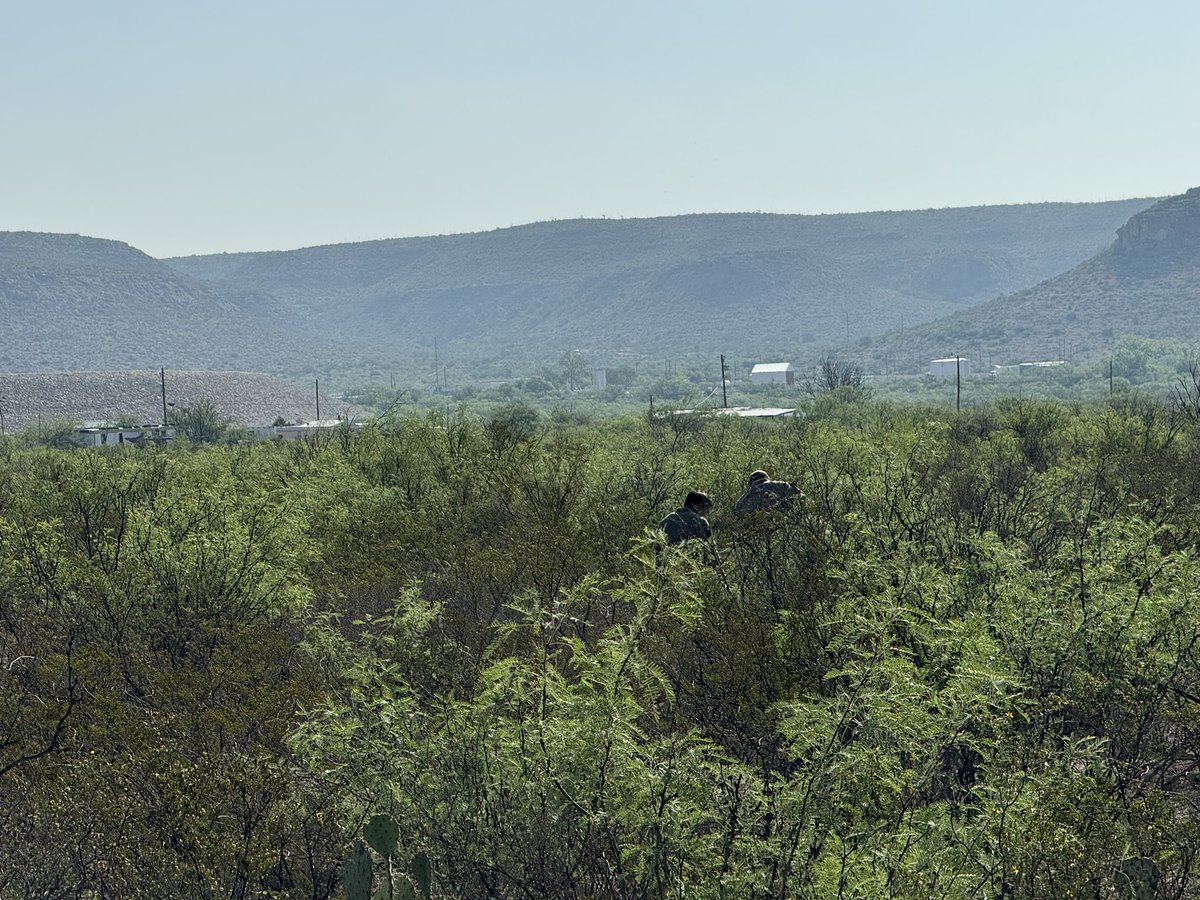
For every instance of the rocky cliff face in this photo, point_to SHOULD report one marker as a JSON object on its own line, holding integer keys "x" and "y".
{"x": 1168, "y": 229}
{"x": 1145, "y": 284}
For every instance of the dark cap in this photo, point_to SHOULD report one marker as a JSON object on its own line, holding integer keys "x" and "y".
{"x": 697, "y": 499}
{"x": 758, "y": 475}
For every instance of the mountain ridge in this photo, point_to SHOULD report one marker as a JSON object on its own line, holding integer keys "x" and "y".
{"x": 557, "y": 284}
{"x": 511, "y": 300}
{"x": 1145, "y": 283}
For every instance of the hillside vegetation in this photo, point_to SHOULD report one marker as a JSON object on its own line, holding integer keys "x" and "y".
{"x": 506, "y": 301}
{"x": 1146, "y": 283}
{"x": 655, "y": 287}
{"x": 964, "y": 665}
{"x": 85, "y": 304}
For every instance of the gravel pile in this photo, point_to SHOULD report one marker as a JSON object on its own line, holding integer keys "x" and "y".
{"x": 245, "y": 398}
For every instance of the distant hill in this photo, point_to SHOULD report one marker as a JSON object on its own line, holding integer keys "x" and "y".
{"x": 244, "y": 398}
{"x": 69, "y": 302}
{"x": 652, "y": 287}
{"x": 510, "y": 300}
{"x": 1146, "y": 282}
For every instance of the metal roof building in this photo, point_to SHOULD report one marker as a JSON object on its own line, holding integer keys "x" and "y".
{"x": 773, "y": 373}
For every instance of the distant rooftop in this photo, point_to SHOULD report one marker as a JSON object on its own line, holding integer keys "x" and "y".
{"x": 756, "y": 412}
{"x": 762, "y": 368}
{"x": 745, "y": 412}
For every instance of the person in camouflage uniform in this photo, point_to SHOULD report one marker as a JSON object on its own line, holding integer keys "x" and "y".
{"x": 688, "y": 521}
{"x": 763, "y": 539}
{"x": 764, "y": 494}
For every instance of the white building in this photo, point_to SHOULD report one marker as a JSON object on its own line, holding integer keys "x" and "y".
{"x": 949, "y": 367}
{"x": 741, "y": 412}
{"x": 1035, "y": 368}
{"x": 302, "y": 430}
{"x": 773, "y": 373}
{"x": 105, "y": 436}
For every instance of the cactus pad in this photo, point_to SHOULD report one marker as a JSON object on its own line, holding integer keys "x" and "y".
{"x": 1138, "y": 878}
{"x": 356, "y": 872}
{"x": 421, "y": 873}
{"x": 381, "y": 833}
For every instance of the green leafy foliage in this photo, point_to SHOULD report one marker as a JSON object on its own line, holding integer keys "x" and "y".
{"x": 201, "y": 423}
{"x": 963, "y": 665}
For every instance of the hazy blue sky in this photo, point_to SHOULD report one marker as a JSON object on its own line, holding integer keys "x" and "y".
{"x": 206, "y": 126}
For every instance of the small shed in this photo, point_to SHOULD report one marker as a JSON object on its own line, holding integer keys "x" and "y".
{"x": 773, "y": 373}
{"x": 949, "y": 367}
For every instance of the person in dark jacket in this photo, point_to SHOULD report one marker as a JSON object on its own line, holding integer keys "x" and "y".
{"x": 688, "y": 521}
{"x": 762, "y": 494}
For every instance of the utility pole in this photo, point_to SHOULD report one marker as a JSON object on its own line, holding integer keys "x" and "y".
{"x": 2, "y": 399}
{"x": 317, "y": 394}
{"x": 436, "y": 384}
{"x": 724, "y": 395}
{"x": 162, "y": 377}
{"x": 958, "y": 383}
{"x": 1110, "y": 383}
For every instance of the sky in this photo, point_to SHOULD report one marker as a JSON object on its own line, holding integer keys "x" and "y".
{"x": 185, "y": 128}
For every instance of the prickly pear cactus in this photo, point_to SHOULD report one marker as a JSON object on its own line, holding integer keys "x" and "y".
{"x": 422, "y": 874}
{"x": 381, "y": 833}
{"x": 1138, "y": 878}
{"x": 356, "y": 872}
